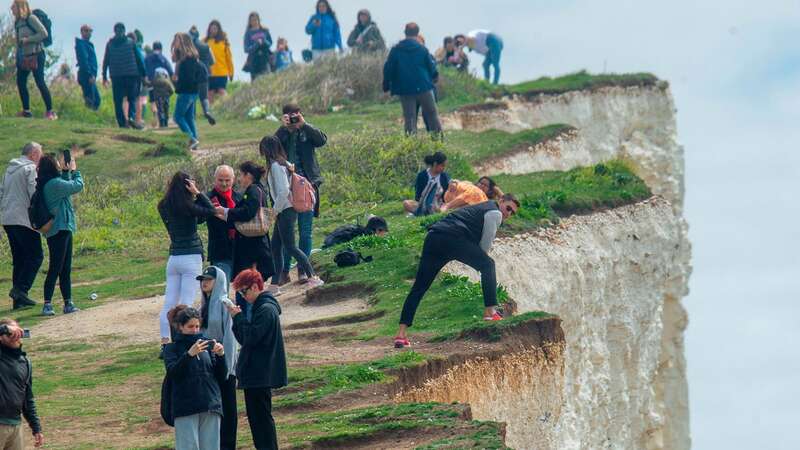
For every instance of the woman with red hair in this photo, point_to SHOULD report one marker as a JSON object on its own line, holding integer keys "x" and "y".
{"x": 262, "y": 359}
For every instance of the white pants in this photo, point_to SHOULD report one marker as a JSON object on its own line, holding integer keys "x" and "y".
{"x": 182, "y": 286}
{"x": 197, "y": 432}
{"x": 318, "y": 54}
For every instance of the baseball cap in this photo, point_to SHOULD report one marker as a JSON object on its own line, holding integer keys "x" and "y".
{"x": 209, "y": 274}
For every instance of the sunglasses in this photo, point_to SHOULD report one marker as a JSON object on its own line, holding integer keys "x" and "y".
{"x": 243, "y": 292}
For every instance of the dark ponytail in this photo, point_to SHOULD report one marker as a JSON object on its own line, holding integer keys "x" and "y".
{"x": 253, "y": 169}
{"x": 435, "y": 159}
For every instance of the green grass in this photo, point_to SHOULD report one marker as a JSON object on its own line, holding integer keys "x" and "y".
{"x": 478, "y": 147}
{"x": 579, "y": 81}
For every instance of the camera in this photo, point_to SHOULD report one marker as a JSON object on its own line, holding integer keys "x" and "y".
{"x": 294, "y": 118}
{"x": 67, "y": 157}
{"x": 26, "y": 333}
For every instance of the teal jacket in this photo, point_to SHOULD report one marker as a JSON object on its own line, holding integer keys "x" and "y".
{"x": 57, "y": 194}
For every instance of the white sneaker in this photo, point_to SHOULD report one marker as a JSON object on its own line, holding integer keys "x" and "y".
{"x": 315, "y": 283}
{"x": 194, "y": 144}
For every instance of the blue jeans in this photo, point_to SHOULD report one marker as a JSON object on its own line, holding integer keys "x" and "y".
{"x": 91, "y": 96}
{"x": 305, "y": 223}
{"x": 184, "y": 114}
{"x": 492, "y": 59}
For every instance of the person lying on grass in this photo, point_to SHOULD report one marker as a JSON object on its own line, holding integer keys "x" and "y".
{"x": 466, "y": 236}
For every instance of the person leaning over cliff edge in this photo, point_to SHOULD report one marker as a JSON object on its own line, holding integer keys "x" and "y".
{"x": 16, "y": 389}
{"x": 465, "y": 236}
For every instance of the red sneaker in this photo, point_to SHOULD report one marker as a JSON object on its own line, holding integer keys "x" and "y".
{"x": 494, "y": 317}
{"x": 401, "y": 343}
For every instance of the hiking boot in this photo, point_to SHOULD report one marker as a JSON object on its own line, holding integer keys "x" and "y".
{"x": 21, "y": 299}
{"x": 50, "y": 115}
{"x": 401, "y": 342}
{"x": 47, "y": 310}
{"x": 25, "y": 114}
{"x": 211, "y": 120}
{"x": 70, "y": 307}
{"x": 284, "y": 279}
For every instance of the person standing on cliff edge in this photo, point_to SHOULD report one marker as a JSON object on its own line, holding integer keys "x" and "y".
{"x": 465, "y": 236}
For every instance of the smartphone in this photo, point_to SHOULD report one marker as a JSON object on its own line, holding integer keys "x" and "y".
{"x": 211, "y": 343}
{"x": 228, "y": 302}
{"x": 67, "y": 157}
{"x": 26, "y": 333}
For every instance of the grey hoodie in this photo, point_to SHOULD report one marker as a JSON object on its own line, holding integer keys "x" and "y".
{"x": 220, "y": 323}
{"x": 16, "y": 192}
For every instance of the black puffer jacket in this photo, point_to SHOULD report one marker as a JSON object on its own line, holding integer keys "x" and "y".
{"x": 182, "y": 228}
{"x": 122, "y": 59}
{"x": 16, "y": 392}
{"x": 262, "y": 359}
{"x": 195, "y": 385}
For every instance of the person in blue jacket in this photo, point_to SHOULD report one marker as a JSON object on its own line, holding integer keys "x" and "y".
{"x": 410, "y": 73}
{"x": 326, "y": 36}
{"x": 87, "y": 68}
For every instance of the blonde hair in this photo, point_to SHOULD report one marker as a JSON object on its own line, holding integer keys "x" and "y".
{"x": 183, "y": 47}
{"x": 23, "y": 9}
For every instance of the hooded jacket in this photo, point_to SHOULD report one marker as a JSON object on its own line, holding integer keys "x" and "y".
{"x": 371, "y": 38}
{"x": 86, "y": 56}
{"x": 154, "y": 61}
{"x": 409, "y": 69}
{"x": 327, "y": 35}
{"x": 16, "y": 392}
{"x": 34, "y": 31}
{"x": 218, "y": 322}
{"x": 58, "y": 194}
{"x": 307, "y": 140}
{"x": 195, "y": 380}
{"x": 18, "y": 187}
{"x": 122, "y": 59}
{"x": 262, "y": 360}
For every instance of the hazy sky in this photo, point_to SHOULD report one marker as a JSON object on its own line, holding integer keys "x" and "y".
{"x": 734, "y": 67}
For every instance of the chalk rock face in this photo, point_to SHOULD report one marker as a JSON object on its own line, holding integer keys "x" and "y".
{"x": 615, "y": 278}
{"x": 634, "y": 123}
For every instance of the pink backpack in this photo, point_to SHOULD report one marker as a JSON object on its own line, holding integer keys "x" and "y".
{"x": 304, "y": 197}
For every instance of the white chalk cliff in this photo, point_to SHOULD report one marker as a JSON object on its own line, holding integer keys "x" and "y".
{"x": 616, "y": 279}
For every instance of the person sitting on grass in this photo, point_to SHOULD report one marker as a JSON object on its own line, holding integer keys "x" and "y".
{"x": 460, "y": 194}
{"x": 465, "y": 236}
{"x": 490, "y": 188}
{"x": 429, "y": 187}
{"x": 194, "y": 364}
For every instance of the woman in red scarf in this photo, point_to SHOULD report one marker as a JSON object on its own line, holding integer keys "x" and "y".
{"x": 221, "y": 236}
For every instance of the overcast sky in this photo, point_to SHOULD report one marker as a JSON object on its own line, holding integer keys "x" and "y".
{"x": 733, "y": 67}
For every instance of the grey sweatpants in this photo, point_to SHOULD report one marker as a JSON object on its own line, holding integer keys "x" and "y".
{"x": 197, "y": 432}
{"x": 429, "y": 112}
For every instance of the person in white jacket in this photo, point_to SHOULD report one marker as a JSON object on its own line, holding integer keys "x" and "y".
{"x": 18, "y": 187}
{"x": 217, "y": 324}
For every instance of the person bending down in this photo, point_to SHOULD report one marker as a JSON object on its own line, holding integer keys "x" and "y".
{"x": 466, "y": 236}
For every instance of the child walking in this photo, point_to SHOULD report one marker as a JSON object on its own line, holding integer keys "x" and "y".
{"x": 162, "y": 93}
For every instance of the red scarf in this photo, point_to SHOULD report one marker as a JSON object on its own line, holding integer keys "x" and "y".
{"x": 229, "y": 203}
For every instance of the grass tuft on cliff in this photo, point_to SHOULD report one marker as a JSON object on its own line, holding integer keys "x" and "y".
{"x": 579, "y": 81}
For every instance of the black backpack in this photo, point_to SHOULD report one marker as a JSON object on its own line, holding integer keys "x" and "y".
{"x": 41, "y": 218}
{"x": 349, "y": 258}
{"x": 48, "y": 25}
{"x": 345, "y": 233}
{"x": 166, "y": 401}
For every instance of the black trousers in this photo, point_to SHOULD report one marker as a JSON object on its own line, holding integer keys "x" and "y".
{"x": 259, "y": 413}
{"x": 438, "y": 250}
{"x": 60, "y": 268}
{"x": 230, "y": 414}
{"x": 38, "y": 77}
{"x": 26, "y": 255}
{"x": 125, "y": 87}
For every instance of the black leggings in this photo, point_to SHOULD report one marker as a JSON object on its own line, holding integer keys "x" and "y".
{"x": 38, "y": 77}
{"x": 283, "y": 240}
{"x": 438, "y": 250}
{"x": 60, "y": 247}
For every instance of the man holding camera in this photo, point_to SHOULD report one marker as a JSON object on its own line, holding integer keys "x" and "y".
{"x": 16, "y": 393}
{"x": 300, "y": 139}
{"x": 19, "y": 185}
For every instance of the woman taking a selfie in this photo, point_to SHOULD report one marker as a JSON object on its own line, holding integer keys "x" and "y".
{"x": 180, "y": 209}
{"x": 194, "y": 363}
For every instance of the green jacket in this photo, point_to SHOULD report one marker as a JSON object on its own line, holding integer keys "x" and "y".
{"x": 57, "y": 194}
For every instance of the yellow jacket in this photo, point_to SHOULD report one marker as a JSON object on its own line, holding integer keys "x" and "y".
{"x": 223, "y": 59}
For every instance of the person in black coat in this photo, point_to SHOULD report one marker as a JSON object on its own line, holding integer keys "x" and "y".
{"x": 195, "y": 365}
{"x": 221, "y": 234}
{"x": 262, "y": 358}
{"x": 182, "y": 207}
{"x": 16, "y": 392}
{"x": 250, "y": 252}
{"x": 410, "y": 73}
